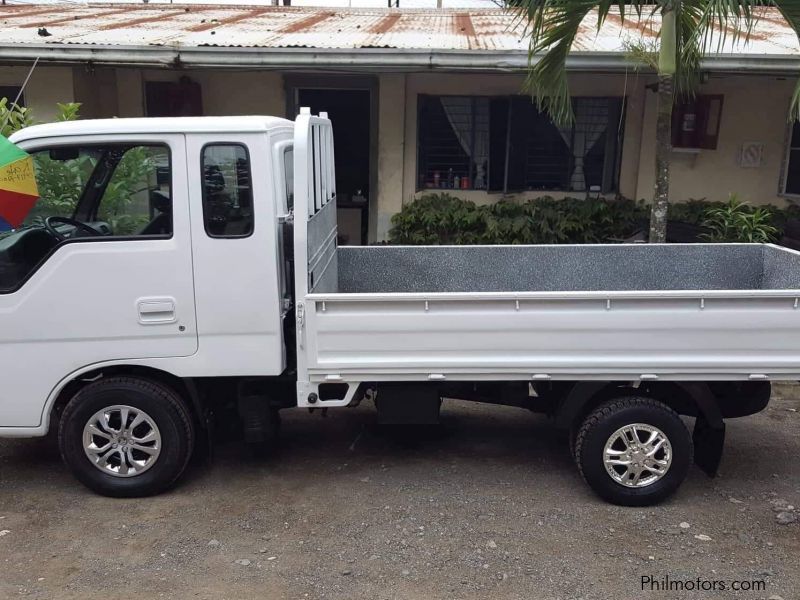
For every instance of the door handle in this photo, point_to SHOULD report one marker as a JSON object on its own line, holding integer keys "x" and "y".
{"x": 156, "y": 311}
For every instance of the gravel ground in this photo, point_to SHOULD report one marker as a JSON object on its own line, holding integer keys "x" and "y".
{"x": 489, "y": 506}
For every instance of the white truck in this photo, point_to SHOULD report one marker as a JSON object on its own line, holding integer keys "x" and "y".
{"x": 175, "y": 270}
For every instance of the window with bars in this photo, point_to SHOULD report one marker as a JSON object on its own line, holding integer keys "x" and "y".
{"x": 505, "y": 144}
{"x": 791, "y": 180}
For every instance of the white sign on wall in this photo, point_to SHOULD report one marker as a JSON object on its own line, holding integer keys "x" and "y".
{"x": 751, "y": 155}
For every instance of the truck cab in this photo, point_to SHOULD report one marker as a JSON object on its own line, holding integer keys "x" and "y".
{"x": 155, "y": 243}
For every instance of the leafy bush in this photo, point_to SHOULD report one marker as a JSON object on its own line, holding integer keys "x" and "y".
{"x": 692, "y": 211}
{"x": 13, "y": 117}
{"x": 444, "y": 219}
{"x": 735, "y": 221}
{"x": 58, "y": 181}
{"x": 438, "y": 219}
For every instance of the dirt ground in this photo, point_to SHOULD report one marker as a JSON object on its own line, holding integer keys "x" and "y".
{"x": 490, "y": 506}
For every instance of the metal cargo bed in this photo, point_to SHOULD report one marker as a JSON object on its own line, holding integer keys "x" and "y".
{"x": 601, "y": 312}
{"x": 562, "y": 312}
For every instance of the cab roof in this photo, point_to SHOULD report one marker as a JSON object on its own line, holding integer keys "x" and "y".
{"x": 238, "y": 124}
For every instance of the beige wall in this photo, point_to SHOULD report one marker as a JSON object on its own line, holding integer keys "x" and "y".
{"x": 223, "y": 92}
{"x": 47, "y": 86}
{"x": 107, "y": 92}
{"x": 754, "y": 109}
{"x": 96, "y": 90}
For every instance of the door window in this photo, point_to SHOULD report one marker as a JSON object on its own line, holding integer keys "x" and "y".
{"x": 136, "y": 201}
{"x": 89, "y": 193}
{"x": 227, "y": 191}
{"x": 288, "y": 175}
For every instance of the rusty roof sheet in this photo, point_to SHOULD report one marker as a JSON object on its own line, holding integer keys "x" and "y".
{"x": 193, "y": 25}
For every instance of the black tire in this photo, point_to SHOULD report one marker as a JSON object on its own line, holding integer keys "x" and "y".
{"x": 607, "y": 419}
{"x": 161, "y": 403}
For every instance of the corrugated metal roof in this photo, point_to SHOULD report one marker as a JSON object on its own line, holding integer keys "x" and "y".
{"x": 191, "y": 26}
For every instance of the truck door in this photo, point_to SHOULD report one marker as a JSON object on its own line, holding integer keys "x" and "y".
{"x": 101, "y": 269}
{"x": 235, "y": 241}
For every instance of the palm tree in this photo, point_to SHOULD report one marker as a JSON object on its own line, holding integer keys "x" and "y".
{"x": 689, "y": 29}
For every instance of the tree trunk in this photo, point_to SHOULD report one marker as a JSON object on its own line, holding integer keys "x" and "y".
{"x": 667, "y": 66}
{"x": 658, "y": 212}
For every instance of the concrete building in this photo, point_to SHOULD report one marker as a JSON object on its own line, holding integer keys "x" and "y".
{"x": 424, "y": 100}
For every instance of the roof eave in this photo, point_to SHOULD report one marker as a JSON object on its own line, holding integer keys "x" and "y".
{"x": 358, "y": 59}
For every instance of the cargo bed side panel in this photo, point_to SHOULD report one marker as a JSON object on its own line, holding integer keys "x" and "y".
{"x": 408, "y": 337}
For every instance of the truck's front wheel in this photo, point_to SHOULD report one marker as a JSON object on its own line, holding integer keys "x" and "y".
{"x": 633, "y": 451}
{"x": 126, "y": 436}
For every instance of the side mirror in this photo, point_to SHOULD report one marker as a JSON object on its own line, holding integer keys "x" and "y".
{"x": 65, "y": 153}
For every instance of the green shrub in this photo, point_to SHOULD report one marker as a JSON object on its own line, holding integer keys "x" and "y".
{"x": 692, "y": 211}
{"x": 735, "y": 221}
{"x": 13, "y": 117}
{"x": 437, "y": 219}
{"x": 444, "y": 219}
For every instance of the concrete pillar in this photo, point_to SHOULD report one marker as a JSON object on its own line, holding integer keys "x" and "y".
{"x": 391, "y": 133}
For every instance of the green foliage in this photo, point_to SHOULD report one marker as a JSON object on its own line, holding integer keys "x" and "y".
{"x": 692, "y": 211}
{"x": 735, "y": 221}
{"x": 437, "y": 219}
{"x": 13, "y": 117}
{"x": 68, "y": 111}
{"x": 444, "y": 219}
{"x": 688, "y": 30}
{"x": 131, "y": 178}
{"x": 124, "y": 205}
{"x": 60, "y": 184}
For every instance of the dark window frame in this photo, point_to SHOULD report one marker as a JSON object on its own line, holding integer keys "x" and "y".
{"x": 787, "y": 160}
{"x": 700, "y": 106}
{"x": 185, "y": 89}
{"x": 613, "y": 147}
{"x": 203, "y": 187}
{"x": 288, "y": 194}
{"x": 16, "y": 90}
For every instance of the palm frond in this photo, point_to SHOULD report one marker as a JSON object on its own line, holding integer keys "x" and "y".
{"x": 553, "y": 26}
{"x": 642, "y": 53}
{"x": 790, "y": 10}
{"x": 717, "y": 21}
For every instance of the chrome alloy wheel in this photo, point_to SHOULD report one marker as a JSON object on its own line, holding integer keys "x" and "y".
{"x": 122, "y": 441}
{"x": 637, "y": 455}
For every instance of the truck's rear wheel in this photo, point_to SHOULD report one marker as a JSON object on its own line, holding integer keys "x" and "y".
{"x": 633, "y": 451}
{"x": 126, "y": 436}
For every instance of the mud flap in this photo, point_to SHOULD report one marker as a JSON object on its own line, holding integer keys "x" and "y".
{"x": 409, "y": 404}
{"x": 708, "y": 443}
